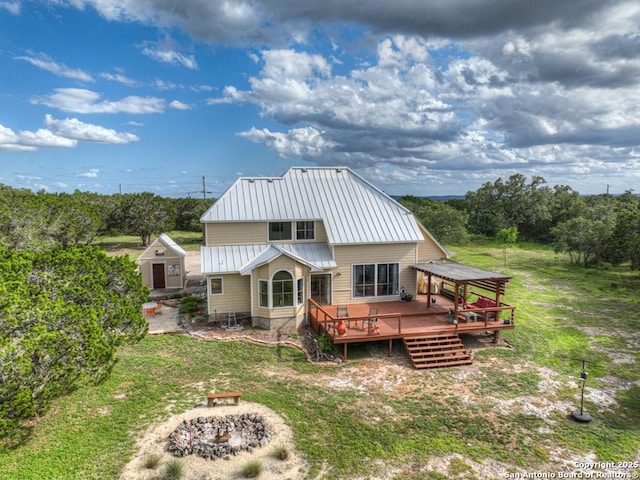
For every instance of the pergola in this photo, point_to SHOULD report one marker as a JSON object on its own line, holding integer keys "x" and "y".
{"x": 463, "y": 276}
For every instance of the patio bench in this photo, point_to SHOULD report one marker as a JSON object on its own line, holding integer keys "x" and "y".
{"x": 212, "y": 398}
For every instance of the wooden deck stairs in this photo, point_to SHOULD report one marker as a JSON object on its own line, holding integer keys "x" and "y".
{"x": 436, "y": 350}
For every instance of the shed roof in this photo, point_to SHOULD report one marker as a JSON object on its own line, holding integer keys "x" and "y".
{"x": 460, "y": 273}
{"x": 244, "y": 258}
{"x": 352, "y": 209}
{"x": 168, "y": 243}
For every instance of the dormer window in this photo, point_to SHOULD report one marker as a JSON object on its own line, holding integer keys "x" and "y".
{"x": 305, "y": 231}
{"x": 279, "y": 231}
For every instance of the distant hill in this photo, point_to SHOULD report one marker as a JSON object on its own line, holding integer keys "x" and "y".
{"x": 435, "y": 198}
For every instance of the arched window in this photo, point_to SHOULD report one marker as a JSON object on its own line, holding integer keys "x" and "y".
{"x": 282, "y": 294}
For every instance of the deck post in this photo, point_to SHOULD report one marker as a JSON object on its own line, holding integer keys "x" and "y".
{"x": 390, "y": 354}
{"x": 344, "y": 346}
{"x": 496, "y": 336}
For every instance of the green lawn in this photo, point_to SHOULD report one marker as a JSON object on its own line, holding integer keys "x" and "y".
{"x": 363, "y": 430}
{"x": 132, "y": 246}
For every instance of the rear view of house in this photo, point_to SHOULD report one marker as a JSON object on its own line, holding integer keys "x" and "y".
{"x": 327, "y": 234}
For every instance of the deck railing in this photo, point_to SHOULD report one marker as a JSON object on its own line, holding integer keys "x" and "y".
{"x": 322, "y": 318}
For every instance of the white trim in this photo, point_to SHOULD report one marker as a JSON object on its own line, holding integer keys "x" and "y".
{"x": 210, "y": 290}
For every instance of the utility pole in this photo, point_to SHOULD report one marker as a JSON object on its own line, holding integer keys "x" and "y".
{"x": 120, "y": 188}
{"x": 607, "y": 189}
{"x": 204, "y": 189}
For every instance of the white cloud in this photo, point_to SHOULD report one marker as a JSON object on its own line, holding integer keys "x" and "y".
{"x": 73, "y": 128}
{"x": 91, "y": 173}
{"x": 45, "y": 62}
{"x": 60, "y": 133}
{"x": 13, "y": 8}
{"x": 171, "y": 57}
{"x": 79, "y": 100}
{"x": 299, "y": 142}
{"x": 120, "y": 78}
{"x": 179, "y": 105}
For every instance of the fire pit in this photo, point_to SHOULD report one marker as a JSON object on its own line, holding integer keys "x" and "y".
{"x": 217, "y": 437}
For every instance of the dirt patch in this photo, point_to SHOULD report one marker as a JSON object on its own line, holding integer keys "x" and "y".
{"x": 154, "y": 442}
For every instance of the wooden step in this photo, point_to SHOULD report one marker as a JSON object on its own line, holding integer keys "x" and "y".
{"x": 436, "y": 350}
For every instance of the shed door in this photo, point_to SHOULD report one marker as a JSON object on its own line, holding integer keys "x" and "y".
{"x": 158, "y": 275}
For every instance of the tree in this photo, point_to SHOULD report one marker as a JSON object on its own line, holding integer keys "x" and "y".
{"x": 63, "y": 313}
{"x": 507, "y": 236}
{"x": 512, "y": 203}
{"x": 446, "y": 223}
{"x": 623, "y": 245}
{"x": 583, "y": 238}
{"x": 145, "y": 214}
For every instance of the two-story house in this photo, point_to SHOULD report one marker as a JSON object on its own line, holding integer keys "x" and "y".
{"x": 320, "y": 233}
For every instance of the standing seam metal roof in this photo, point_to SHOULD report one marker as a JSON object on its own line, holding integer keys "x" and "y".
{"x": 352, "y": 209}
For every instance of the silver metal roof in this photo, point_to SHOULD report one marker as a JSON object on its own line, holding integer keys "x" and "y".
{"x": 352, "y": 209}
{"x": 244, "y": 258}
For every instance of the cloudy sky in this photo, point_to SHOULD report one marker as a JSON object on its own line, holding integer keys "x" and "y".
{"x": 421, "y": 97}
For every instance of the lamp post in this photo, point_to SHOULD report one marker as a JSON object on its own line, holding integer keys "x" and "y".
{"x": 581, "y": 415}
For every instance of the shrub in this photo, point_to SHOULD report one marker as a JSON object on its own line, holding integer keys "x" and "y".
{"x": 281, "y": 452}
{"x": 152, "y": 460}
{"x": 252, "y": 469}
{"x": 189, "y": 304}
{"x": 173, "y": 470}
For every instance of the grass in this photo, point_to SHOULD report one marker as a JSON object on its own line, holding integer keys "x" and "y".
{"x": 563, "y": 314}
{"x": 173, "y": 470}
{"x": 152, "y": 461}
{"x": 132, "y": 246}
{"x": 251, "y": 469}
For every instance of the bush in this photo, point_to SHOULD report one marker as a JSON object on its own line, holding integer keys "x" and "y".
{"x": 252, "y": 469}
{"x": 189, "y": 304}
{"x": 280, "y": 452}
{"x": 173, "y": 470}
{"x": 152, "y": 460}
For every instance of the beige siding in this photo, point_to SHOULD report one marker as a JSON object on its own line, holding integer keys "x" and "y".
{"x": 266, "y": 272}
{"x": 248, "y": 233}
{"x": 348, "y": 255}
{"x": 235, "y": 295}
{"x": 235, "y": 233}
{"x": 429, "y": 250}
{"x": 171, "y": 265}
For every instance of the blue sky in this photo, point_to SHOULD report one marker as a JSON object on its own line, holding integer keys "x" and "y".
{"x": 422, "y": 98}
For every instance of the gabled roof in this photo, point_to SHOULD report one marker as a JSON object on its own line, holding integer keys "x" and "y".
{"x": 352, "y": 209}
{"x": 244, "y": 258}
{"x": 167, "y": 242}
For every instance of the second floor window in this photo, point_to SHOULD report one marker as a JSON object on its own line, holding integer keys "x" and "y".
{"x": 305, "y": 231}
{"x": 279, "y": 231}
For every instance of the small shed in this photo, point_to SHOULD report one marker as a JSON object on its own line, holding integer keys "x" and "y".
{"x": 162, "y": 264}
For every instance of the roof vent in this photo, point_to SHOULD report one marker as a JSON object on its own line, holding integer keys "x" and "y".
{"x": 251, "y": 180}
{"x": 339, "y": 170}
{"x": 303, "y": 170}
{"x": 270, "y": 180}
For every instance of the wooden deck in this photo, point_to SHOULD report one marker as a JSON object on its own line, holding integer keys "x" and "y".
{"x": 406, "y": 320}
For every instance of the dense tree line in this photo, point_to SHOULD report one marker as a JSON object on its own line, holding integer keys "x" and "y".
{"x": 42, "y": 220}
{"x": 590, "y": 229}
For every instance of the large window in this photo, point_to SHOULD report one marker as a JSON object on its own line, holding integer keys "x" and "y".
{"x": 279, "y": 231}
{"x": 305, "y": 231}
{"x": 372, "y": 280}
{"x": 387, "y": 279}
{"x": 282, "y": 285}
